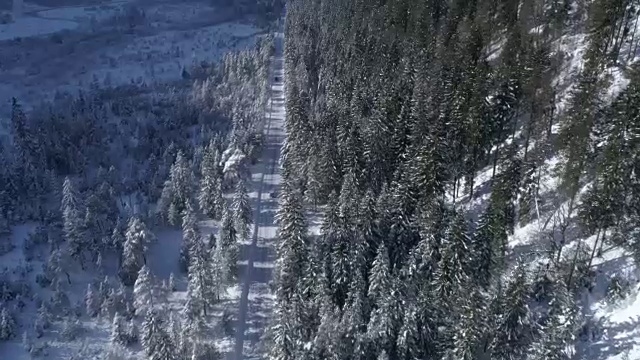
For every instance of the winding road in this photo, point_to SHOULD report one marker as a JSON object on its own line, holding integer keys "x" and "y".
{"x": 257, "y": 257}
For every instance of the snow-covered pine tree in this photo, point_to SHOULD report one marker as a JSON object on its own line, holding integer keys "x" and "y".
{"x": 201, "y": 289}
{"x": 117, "y": 238}
{"x": 469, "y": 339}
{"x": 228, "y": 243}
{"x": 5, "y": 228}
{"x": 218, "y": 268}
{"x": 138, "y": 237}
{"x": 133, "y": 334}
{"x": 143, "y": 292}
{"x": 118, "y": 331}
{"x": 155, "y": 340}
{"x": 60, "y": 303}
{"x": 42, "y": 321}
{"x": 516, "y": 328}
{"x": 242, "y": 215}
{"x": 210, "y": 195}
{"x": 7, "y": 325}
{"x": 178, "y": 190}
{"x": 190, "y": 235}
{"x": 58, "y": 266}
{"x": 557, "y": 333}
{"x": 292, "y": 247}
{"x": 379, "y": 282}
{"x": 92, "y": 301}
{"x": 172, "y": 282}
{"x": 485, "y": 250}
{"x": 72, "y": 220}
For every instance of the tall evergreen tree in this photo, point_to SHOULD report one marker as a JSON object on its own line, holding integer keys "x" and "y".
{"x": 138, "y": 238}
{"x": 210, "y": 195}
{"x": 228, "y": 245}
{"x": 143, "y": 292}
{"x": 242, "y": 213}
{"x": 190, "y": 235}
{"x": 72, "y": 220}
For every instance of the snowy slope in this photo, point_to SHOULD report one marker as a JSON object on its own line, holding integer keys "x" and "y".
{"x": 614, "y": 324}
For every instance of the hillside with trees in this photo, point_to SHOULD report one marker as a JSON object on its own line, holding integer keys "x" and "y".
{"x": 99, "y": 187}
{"x": 474, "y": 167}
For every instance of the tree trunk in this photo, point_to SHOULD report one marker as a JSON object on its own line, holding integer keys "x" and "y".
{"x": 563, "y": 229}
{"x": 573, "y": 266}
{"x": 595, "y": 246}
{"x": 633, "y": 36}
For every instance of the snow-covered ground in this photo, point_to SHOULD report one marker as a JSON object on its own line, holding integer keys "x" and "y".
{"x": 114, "y": 43}
{"x": 34, "y": 26}
{"x": 141, "y": 42}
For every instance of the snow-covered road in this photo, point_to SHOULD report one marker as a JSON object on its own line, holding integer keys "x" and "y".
{"x": 257, "y": 257}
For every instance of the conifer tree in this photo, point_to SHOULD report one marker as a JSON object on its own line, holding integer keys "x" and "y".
{"x": 118, "y": 331}
{"x": 515, "y": 329}
{"x": 71, "y": 215}
{"x": 138, "y": 237}
{"x": 292, "y": 246}
{"x": 471, "y": 331}
{"x": 178, "y": 190}
{"x": 210, "y": 195}
{"x": 190, "y": 235}
{"x": 92, "y": 301}
{"x": 155, "y": 340}
{"x": 228, "y": 244}
{"x": 242, "y": 215}
{"x": 7, "y": 325}
{"x": 380, "y": 278}
{"x": 143, "y": 292}
{"x": 558, "y": 330}
{"x": 172, "y": 282}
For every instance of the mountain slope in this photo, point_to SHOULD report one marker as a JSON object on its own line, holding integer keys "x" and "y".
{"x": 481, "y": 155}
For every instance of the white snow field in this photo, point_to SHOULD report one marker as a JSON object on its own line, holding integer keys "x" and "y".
{"x": 112, "y": 43}
{"x": 257, "y": 256}
{"x": 38, "y": 21}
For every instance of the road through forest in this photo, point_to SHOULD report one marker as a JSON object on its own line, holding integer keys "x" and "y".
{"x": 257, "y": 256}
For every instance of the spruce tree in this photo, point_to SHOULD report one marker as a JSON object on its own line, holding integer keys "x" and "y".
{"x": 155, "y": 339}
{"x": 228, "y": 244}
{"x": 7, "y": 325}
{"x": 210, "y": 195}
{"x": 137, "y": 239}
{"x": 143, "y": 292}
{"x": 178, "y": 190}
{"x": 242, "y": 214}
{"x": 118, "y": 331}
{"x": 516, "y": 329}
{"x": 292, "y": 245}
{"x": 72, "y": 220}
{"x": 190, "y": 235}
{"x": 92, "y": 301}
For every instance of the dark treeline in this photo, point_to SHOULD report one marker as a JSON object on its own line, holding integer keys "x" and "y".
{"x": 393, "y": 108}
